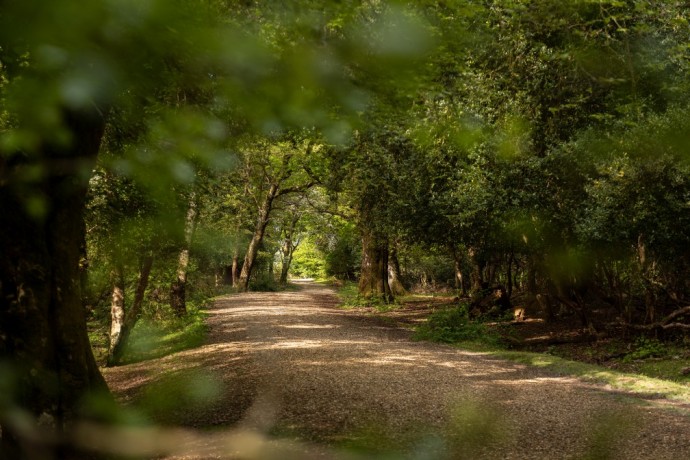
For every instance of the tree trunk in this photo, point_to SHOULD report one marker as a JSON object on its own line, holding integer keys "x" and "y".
{"x": 532, "y": 275}
{"x": 509, "y": 275}
{"x": 257, "y": 237}
{"x": 459, "y": 278}
{"x": 396, "y": 286}
{"x": 285, "y": 269}
{"x": 178, "y": 294}
{"x": 649, "y": 295}
{"x": 235, "y": 266}
{"x": 373, "y": 281}
{"x": 478, "y": 265}
{"x": 218, "y": 277}
{"x": 43, "y": 338}
{"x": 288, "y": 248}
{"x": 235, "y": 269}
{"x": 117, "y": 345}
{"x": 491, "y": 269}
{"x": 117, "y": 310}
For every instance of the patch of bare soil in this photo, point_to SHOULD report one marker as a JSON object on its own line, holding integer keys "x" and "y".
{"x": 291, "y": 375}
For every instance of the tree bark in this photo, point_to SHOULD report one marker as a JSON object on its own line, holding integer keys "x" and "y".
{"x": 288, "y": 248}
{"x": 117, "y": 310}
{"x": 117, "y": 344}
{"x": 509, "y": 275}
{"x": 478, "y": 265}
{"x": 235, "y": 269}
{"x": 373, "y": 281}
{"x": 459, "y": 278}
{"x": 532, "y": 275}
{"x": 643, "y": 268}
{"x": 285, "y": 268}
{"x": 396, "y": 286}
{"x": 43, "y": 337}
{"x": 257, "y": 237}
{"x": 178, "y": 290}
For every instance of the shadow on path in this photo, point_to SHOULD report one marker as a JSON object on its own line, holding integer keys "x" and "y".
{"x": 293, "y": 365}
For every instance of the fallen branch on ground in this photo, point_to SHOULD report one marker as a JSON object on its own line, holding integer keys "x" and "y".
{"x": 665, "y": 323}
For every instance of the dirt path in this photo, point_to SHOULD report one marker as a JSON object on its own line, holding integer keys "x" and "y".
{"x": 292, "y": 366}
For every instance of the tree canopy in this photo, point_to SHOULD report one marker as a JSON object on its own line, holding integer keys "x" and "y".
{"x": 536, "y": 146}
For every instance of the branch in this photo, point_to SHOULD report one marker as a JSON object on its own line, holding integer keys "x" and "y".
{"x": 295, "y": 189}
{"x": 651, "y": 327}
{"x": 665, "y": 323}
{"x": 311, "y": 175}
{"x": 331, "y": 212}
{"x": 676, "y": 314}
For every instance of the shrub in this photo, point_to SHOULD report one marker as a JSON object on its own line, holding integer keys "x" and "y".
{"x": 453, "y": 325}
{"x": 646, "y": 348}
{"x": 263, "y": 282}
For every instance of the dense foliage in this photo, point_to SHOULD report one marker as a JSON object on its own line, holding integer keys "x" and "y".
{"x": 537, "y": 148}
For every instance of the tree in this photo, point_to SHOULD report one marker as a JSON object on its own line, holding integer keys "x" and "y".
{"x": 66, "y": 66}
{"x": 179, "y": 285}
{"x": 124, "y": 235}
{"x": 290, "y": 238}
{"x": 279, "y": 173}
{"x": 44, "y": 336}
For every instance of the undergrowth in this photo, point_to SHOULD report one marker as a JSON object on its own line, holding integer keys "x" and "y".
{"x": 618, "y": 380}
{"x": 453, "y": 325}
{"x": 152, "y": 339}
{"x": 646, "y": 348}
{"x": 157, "y": 333}
{"x": 350, "y": 298}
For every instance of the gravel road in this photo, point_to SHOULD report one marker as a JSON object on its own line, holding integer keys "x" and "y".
{"x": 290, "y": 375}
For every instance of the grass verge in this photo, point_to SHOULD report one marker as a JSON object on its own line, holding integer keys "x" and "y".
{"x": 635, "y": 383}
{"x": 155, "y": 339}
{"x": 647, "y": 369}
{"x": 350, "y": 298}
{"x": 470, "y": 338}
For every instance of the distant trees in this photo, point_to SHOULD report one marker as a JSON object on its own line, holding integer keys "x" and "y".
{"x": 124, "y": 235}
{"x": 516, "y": 148}
{"x": 537, "y": 146}
{"x": 66, "y": 68}
{"x": 279, "y": 171}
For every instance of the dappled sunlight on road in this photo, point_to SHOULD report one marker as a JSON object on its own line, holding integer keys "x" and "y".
{"x": 293, "y": 363}
{"x": 311, "y": 326}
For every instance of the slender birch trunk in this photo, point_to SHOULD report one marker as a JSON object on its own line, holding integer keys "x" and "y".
{"x": 178, "y": 299}
{"x": 396, "y": 286}
{"x": 117, "y": 309}
{"x": 126, "y": 319}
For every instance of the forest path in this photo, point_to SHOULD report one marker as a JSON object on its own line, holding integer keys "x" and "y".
{"x": 291, "y": 365}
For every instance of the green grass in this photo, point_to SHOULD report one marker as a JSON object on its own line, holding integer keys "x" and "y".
{"x": 667, "y": 369}
{"x": 350, "y": 298}
{"x": 98, "y": 337}
{"x": 349, "y": 294}
{"x": 155, "y": 339}
{"x": 453, "y": 325}
{"x": 421, "y": 297}
{"x": 656, "y": 371}
{"x": 618, "y": 380}
{"x": 655, "y": 376}
{"x": 635, "y": 383}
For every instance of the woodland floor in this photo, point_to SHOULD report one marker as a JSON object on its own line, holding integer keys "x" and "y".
{"x": 290, "y": 375}
{"x": 564, "y": 337}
